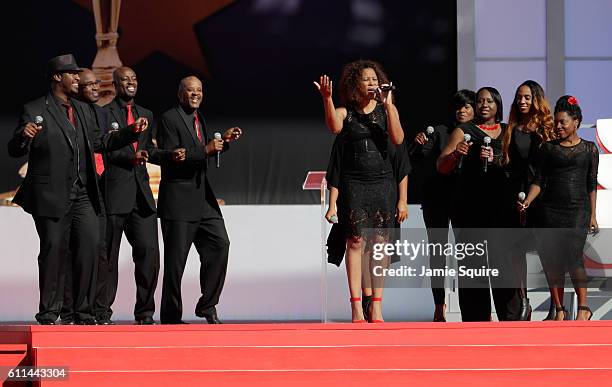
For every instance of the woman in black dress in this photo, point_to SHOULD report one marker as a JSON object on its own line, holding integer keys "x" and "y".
{"x": 567, "y": 175}
{"x": 530, "y": 124}
{"x": 481, "y": 205}
{"x": 336, "y": 241}
{"x": 367, "y": 120}
{"x": 438, "y": 189}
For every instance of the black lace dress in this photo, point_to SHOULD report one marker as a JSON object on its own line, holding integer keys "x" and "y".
{"x": 567, "y": 175}
{"x": 367, "y": 187}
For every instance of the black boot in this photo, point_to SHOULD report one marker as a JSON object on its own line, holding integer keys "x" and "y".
{"x": 525, "y": 314}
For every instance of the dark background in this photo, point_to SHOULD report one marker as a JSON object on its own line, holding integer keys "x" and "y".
{"x": 262, "y": 57}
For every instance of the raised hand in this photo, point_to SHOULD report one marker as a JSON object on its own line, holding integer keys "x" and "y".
{"x": 140, "y": 125}
{"x": 324, "y": 86}
{"x": 232, "y": 134}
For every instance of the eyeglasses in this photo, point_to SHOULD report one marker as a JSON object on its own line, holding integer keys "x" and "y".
{"x": 90, "y": 84}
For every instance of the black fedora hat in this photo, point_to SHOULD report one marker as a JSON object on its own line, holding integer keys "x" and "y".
{"x": 62, "y": 64}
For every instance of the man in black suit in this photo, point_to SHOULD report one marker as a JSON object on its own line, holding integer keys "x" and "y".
{"x": 60, "y": 189}
{"x": 187, "y": 205}
{"x": 130, "y": 206}
{"x": 88, "y": 93}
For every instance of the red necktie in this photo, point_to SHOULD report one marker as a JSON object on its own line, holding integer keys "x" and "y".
{"x": 70, "y": 114}
{"x": 196, "y": 125}
{"x": 130, "y": 121}
{"x": 97, "y": 157}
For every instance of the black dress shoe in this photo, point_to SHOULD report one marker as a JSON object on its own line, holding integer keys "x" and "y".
{"x": 147, "y": 320}
{"x": 67, "y": 321}
{"x": 210, "y": 314}
{"x": 87, "y": 321}
{"x": 46, "y": 322}
{"x": 177, "y": 322}
{"x": 105, "y": 321}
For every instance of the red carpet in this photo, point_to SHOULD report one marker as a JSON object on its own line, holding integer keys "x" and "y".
{"x": 416, "y": 354}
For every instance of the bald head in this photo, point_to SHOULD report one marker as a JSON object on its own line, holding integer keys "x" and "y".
{"x": 190, "y": 93}
{"x": 88, "y": 86}
{"x": 126, "y": 83}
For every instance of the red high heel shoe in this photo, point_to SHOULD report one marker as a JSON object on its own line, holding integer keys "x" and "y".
{"x": 375, "y": 299}
{"x": 357, "y": 299}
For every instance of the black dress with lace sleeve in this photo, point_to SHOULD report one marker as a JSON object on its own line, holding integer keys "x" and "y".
{"x": 367, "y": 188}
{"x": 567, "y": 174}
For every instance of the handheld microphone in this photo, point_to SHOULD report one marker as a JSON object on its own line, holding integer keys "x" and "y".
{"x": 466, "y": 138}
{"x": 522, "y": 214}
{"x": 218, "y": 156}
{"x": 429, "y": 131}
{"x": 115, "y": 126}
{"x": 485, "y": 162}
{"x": 38, "y": 120}
{"x": 387, "y": 87}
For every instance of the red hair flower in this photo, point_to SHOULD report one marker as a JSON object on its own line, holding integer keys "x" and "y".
{"x": 572, "y": 100}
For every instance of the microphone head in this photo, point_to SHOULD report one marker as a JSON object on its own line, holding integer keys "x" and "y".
{"x": 387, "y": 87}
{"x": 467, "y": 137}
{"x": 115, "y": 126}
{"x": 38, "y": 120}
{"x": 521, "y": 196}
{"x": 217, "y": 136}
{"x": 430, "y": 130}
{"x": 487, "y": 140}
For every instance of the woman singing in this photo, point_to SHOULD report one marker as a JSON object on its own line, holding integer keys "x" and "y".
{"x": 367, "y": 120}
{"x": 567, "y": 177}
{"x": 530, "y": 124}
{"x": 481, "y": 206}
{"x": 438, "y": 188}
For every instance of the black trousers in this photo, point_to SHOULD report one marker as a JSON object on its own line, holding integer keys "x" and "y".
{"x": 474, "y": 296}
{"x": 67, "y": 311}
{"x": 140, "y": 228}
{"x": 437, "y": 220}
{"x": 75, "y": 235}
{"x": 212, "y": 243}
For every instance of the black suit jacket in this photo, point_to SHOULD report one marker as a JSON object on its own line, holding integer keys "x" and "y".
{"x": 122, "y": 180}
{"x": 45, "y": 191}
{"x": 184, "y": 187}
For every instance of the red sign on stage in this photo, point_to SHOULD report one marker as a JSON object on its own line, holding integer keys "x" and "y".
{"x": 314, "y": 180}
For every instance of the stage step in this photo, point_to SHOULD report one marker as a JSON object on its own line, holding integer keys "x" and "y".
{"x": 11, "y": 355}
{"x": 475, "y": 354}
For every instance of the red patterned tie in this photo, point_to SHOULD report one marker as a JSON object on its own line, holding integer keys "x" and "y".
{"x": 70, "y": 114}
{"x": 196, "y": 125}
{"x": 97, "y": 157}
{"x": 130, "y": 121}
